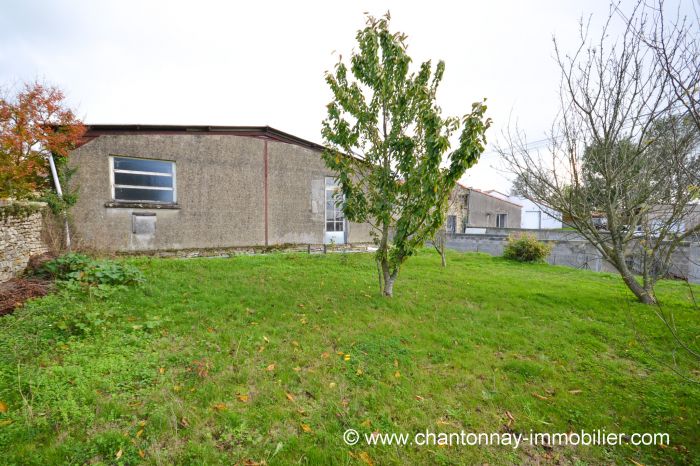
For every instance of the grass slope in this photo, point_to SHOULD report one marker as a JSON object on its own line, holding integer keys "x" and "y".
{"x": 244, "y": 359}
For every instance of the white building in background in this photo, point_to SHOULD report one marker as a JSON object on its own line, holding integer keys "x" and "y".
{"x": 533, "y": 216}
{"x": 536, "y": 217}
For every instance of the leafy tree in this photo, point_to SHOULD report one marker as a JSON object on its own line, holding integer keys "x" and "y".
{"x": 34, "y": 123}
{"x": 390, "y": 146}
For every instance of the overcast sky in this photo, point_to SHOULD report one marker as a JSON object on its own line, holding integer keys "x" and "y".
{"x": 262, "y": 63}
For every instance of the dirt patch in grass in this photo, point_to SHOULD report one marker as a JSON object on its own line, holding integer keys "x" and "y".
{"x": 15, "y": 292}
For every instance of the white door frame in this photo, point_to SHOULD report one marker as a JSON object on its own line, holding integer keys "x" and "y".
{"x": 334, "y": 225}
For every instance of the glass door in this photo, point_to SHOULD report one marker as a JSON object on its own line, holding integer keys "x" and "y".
{"x": 335, "y": 220}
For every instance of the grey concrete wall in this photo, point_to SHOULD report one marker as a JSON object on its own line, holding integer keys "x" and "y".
{"x": 473, "y": 208}
{"x": 694, "y": 263}
{"x": 571, "y": 250}
{"x": 297, "y": 177}
{"x": 220, "y": 193}
{"x": 20, "y": 238}
{"x": 483, "y": 209}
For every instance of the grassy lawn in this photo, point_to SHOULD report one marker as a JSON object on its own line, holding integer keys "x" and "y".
{"x": 271, "y": 358}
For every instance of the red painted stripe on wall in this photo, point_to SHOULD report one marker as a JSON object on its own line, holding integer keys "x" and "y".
{"x": 265, "y": 190}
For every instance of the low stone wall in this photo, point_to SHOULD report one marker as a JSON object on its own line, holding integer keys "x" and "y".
{"x": 570, "y": 249}
{"x": 252, "y": 250}
{"x": 21, "y": 226}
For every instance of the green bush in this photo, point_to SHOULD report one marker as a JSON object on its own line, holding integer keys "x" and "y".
{"x": 526, "y": 248}
{"x": 83, "y": 270}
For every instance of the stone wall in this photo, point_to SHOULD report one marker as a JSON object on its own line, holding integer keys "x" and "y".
{"x": 20, "y": 236}
{"x": 570, "y": 249}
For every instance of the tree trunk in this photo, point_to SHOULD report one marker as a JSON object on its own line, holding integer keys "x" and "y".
{"x": 644, "y": 296}
{"x": 389, "y": 279}
{"x": 439, "y": 241}
{"x": 388, "y": 282}
{"x": 389, "y": 287}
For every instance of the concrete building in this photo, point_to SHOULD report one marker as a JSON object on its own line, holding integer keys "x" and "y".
{"x": 471, "y": 208}
{"x": 659, "y": 215}
{"x": 536, "y": 217}
{"x": 148, "y": 187}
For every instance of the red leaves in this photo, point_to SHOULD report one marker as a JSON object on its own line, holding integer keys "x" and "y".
{"x": 34, "y": 123}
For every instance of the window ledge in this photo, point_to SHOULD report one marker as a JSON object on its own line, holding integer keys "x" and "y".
{"x": 140, "y": 205}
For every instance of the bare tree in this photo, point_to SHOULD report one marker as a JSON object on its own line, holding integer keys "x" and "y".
{"x": 618, "y": 150}
{"x": 675, "y": 41}
{"x": 673, "y": 37}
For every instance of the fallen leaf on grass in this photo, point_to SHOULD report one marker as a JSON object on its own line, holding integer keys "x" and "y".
{"x": 142, "y": 453}
{"x": 325, "y": 355}
{"x": 346, "y": 357}
{"x": 397, "y": 374}
{"x": 271, "y": 367}
{"x": 575, "y": 392}
{"x": 119, "y": 454}
{"x": 184, "y": 422}
{"x": 219, "y": 406}
{"x": 250, "y": 462}
{"x": 162, "y": 370}
{"x": 510, "y": 417}
{"x": 419, "y": 398}
{"x": 244, "y": 398}
{"x": 635, "y": 463}
{"x": 290, "y": 397}
{"x": 364, "y": 456}
{"x": 3, "y": 407}
{"x": 139, "y": 433}
{"x": 306, "y": 428}
{"x": 267, "y": 340}
{"x": 538, "y": 396}
{"x": 444, "y": 422}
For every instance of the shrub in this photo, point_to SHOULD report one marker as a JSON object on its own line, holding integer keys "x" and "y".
{"x": 526, "y": 248}
{"x": 83, "y": 270}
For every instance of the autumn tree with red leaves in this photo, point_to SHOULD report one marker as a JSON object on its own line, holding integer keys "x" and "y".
{"x": 35, "y": 123}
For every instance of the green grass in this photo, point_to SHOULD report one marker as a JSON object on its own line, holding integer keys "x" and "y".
{"x": 228, "y": 360}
